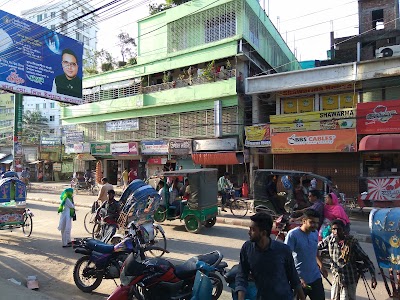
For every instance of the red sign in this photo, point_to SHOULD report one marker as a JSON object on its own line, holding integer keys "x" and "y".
{"x": 378, "y": 117}
{"x": 157, "y": 161}
{"x": 382, "y": 189}
{"x": 322, "y": 141}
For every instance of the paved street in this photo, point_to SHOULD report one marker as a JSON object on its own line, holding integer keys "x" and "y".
{"x": 42, "y": 254}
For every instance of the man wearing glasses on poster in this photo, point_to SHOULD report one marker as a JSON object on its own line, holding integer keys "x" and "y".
{"x": 68, "y": 83}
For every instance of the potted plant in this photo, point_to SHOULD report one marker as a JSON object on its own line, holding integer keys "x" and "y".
{"x": 209, "y": 71}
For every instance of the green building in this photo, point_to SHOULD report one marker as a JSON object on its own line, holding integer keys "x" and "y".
{"x": 6, "y": 118}
{"x": 183, "y": 103}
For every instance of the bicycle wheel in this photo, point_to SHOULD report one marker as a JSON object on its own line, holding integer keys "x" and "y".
{"x": 97, "y": 231}
{"x": 89, "y": 221}
{"x": 28, "y": 225}
{"x": 239, "y": 208}
{"x": 158, "y": 241}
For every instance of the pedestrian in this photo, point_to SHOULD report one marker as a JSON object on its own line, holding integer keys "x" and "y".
{"x": 269, "y": 262}
{"x": 125, "y": 178}
{"x": 132, "y": 175}
{"x": 223, "y": 186}
{"x": 345, "y": 253}
{"x": 103, "y": 196}
{"x": 67, "y": 214}
{"x": 303, "y": 241}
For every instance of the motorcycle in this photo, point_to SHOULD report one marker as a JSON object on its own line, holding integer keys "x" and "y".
{"x": 104, "y": 261}
{"x": 87, "y": 185}
{"x": 159, "y": 279}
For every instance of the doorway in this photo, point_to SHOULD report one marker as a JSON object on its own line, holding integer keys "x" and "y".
{"x": 112, "y": 171}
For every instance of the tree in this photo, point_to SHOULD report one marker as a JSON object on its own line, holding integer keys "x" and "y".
{"x": 34, "y": 125}
{"x": 90, "y": 65}
{"x": 107, "y": 60}
{"x": 127, "y": 45}
{"x": 154, "y": 8}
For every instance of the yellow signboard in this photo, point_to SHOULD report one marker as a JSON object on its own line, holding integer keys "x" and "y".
{"x": 348, "y": 100}
{"x": 316, "y": 120}
{"x": 330, "y": 102}
{"x": 290, "y": 106}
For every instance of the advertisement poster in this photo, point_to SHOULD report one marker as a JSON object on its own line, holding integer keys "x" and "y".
{"x": 37, "y": 61}
{"x": 316, "y": 120}
{"x": 258, "y": 136}
{"x": 382, "y": 189}
{"x": 323, "y": 141}
{"x": 378, "y": 117}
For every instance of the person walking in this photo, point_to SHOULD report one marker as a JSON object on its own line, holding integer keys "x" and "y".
{"x": 223, "y": 185}
{"x": 125, "y": 178}
{"x": 269, "y": 262}
{"x": 67, "y": 214}
{"x": 103, "y": 196}
{"x": 132, "y": 175}
{"x": 345, "y": 252}
{"x": 303, "y": 241}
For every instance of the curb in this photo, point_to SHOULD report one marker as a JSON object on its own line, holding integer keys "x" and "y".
{"x": 364, "y": 238}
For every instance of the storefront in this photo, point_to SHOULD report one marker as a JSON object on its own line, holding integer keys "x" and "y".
{"x": 378, "y": 125}
{"x": 102, "y": 152}
{"x": 127, "y": 156}
{"x": 155, "y": 154}
{"x": 180, "y": 153}
{"x": 222, "y": 154}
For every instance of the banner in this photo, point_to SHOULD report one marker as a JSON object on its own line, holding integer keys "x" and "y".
{"x": 37, "y": 61}
{"x": 316, "y": 120}
{"x": 324, "y": 141}
{"x": 258, "y": 136}
{"x": 378, "y": 117}
{"x": 382, "y": 189}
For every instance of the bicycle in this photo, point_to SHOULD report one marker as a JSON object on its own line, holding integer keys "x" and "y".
{"x": 238, "y": 207}
{"x": 90, "y": 221}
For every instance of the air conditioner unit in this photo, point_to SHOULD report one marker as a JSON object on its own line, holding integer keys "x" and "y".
{"x": 388, "y": 51}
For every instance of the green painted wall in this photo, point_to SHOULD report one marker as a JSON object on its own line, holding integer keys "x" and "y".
{"x": 191, "y": 98}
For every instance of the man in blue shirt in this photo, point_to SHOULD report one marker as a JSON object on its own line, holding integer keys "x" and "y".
{"x": 303, "y": 241}
{"x": 269, "y": 262}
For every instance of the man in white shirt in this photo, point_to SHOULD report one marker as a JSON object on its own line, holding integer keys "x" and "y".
{"x": 103, "y": 193}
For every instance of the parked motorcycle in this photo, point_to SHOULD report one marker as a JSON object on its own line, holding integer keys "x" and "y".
{"x": 104, "y": 261}
{"x": 159, "y": 279}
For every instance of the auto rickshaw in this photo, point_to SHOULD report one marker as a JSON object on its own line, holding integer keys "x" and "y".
{"x": 285, "y": 182}
{"x": 384, "y": 224}
{"x": 201, "y": 207}
{"x": 13, "y": 211}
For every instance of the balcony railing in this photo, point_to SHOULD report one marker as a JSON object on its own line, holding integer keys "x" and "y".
{"x": 196, "y": 80}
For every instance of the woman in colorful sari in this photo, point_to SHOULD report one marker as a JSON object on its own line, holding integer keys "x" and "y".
{"x": 67, "y": 212}
{"x": 332, "y": 211}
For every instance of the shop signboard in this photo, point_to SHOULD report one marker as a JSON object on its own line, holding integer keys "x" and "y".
{"x": 100, "y": 149}
{"x": 154, "y": 147}
{"x": 32, "y": 61}
{"x": 77, "y": 148}
{"x": 378, "y": 117}
{"x": 157, "y": 161}
{"x": 74, "y": 137}
{"x": 180, "y": 147}
{"x": 57, "y": 167}
{"x": 320, "y": 89}
{"x": 258, "y": 136}
{"x": 125, "y": 148}
{"x": 215, "y": 144}
{"x": 50, "y": 141}
{"x": 49, "y": 148}
{"x": 122, "y": 125}
{"x": 323, "y": 141}
{"x": 382, "y": 189}
{"x": 316, "y": 120}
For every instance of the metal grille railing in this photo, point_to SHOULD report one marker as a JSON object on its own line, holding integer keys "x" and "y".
{"x": 210, "y": 25}
{"x": 98, "y": 94}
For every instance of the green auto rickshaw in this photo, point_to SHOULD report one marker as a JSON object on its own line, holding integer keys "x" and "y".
{"x": 197, "y": 208}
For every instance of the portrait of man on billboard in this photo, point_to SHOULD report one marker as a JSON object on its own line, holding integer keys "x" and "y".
{"x": 68, "y": 83}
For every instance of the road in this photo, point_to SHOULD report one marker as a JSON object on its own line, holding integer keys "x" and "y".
{"x": 42, "y": 254}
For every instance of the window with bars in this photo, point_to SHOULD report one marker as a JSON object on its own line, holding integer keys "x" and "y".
{"x": 220, "y": 27}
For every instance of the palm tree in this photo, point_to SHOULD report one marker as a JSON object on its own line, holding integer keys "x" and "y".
{"x": 34, "y": 124}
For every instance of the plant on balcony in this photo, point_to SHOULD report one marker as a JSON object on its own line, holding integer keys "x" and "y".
{"x": 209, "y": 72}
{"x": 190, "y": 75}
{"x": 181, "y": 76}
{"x": 228, "y": 65}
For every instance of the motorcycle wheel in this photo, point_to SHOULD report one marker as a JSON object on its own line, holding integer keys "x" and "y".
{"x": 210, "y": 222}
{"x": 86, "y": 275}
{"x": 217, "y": 285}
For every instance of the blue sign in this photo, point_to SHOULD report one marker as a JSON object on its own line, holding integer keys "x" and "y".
{"x": 37, "y": 61}
{"x": 154, "y": 147}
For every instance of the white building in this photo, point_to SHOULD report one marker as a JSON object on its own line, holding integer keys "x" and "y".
{"x": 53, "y": 16}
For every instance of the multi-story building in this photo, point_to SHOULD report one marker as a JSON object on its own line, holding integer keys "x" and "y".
{"x": 183, "y": 103}
{"x": 341, "y": 120}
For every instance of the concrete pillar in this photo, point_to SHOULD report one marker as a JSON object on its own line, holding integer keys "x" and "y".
{"x": 255, "y": 113}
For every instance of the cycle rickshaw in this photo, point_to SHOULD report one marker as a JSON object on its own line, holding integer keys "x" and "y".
{"x": 201, "y": 208}
{"x": 13, "y": 211}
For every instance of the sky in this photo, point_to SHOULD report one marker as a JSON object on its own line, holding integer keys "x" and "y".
{"x": 304, "y": 25}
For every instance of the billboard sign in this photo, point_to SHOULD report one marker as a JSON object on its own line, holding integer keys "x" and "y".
{"x": 382, "y": 189}
{"x": 122, "y": 125}
{"x": 154, "y": 147}
{"x": 258, "y": 136}
{"x": 324, "y": 141}
{"x": 37, "y": 61}
{"x": 131, "y": 148}
{"x": 378, "y": 117}
{"x": 316, "y": 120}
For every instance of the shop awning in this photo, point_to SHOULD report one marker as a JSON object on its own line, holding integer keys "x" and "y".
{"x": 85, "y": 156}
{"x": 218, "y": 158}
{"x": 7, "y": 159}
{"x": 383, "y": 142}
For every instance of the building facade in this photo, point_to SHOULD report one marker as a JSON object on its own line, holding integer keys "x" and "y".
{"x": 183, "y": 104}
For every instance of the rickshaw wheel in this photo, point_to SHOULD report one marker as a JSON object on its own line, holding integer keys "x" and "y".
{"x": 27, "y": 226}
{"x": 161, "y": 214}
{"x": 210, "y": 222}
{"x": 192, "y": 224}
